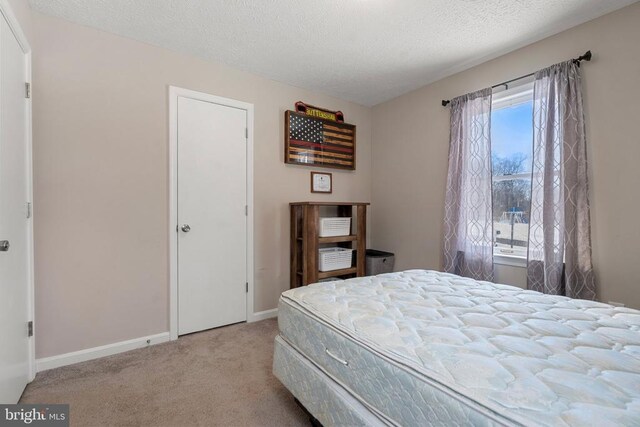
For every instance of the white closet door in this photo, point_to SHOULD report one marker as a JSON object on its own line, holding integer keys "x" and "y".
{"x": 212, "y": 222}
{"x": 14, "y": 235}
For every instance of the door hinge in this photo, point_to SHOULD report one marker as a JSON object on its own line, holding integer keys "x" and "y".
{"x": 28, "y": 209}
{"x": 246, "y": 288}
{"x": 246, "y": 133}
{"x": 30, "y": 328}
{"x": 27, "y": 90}
{"x": 246, "y": 210}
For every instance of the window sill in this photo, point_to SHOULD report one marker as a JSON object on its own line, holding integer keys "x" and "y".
{"x": 510, "y": 260}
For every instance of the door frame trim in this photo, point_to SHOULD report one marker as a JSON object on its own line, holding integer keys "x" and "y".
{"x": 16, "y": 29}
{"x": 174, "y": 94}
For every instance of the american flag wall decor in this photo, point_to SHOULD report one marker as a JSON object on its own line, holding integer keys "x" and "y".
{"x": 317, "y": 142}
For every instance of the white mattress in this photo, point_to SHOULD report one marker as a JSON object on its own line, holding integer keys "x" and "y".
{"x": 422, "y": 347}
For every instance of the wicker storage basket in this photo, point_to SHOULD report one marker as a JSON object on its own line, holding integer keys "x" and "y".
{"x": 338, "y": 226}
{"x": 334, "y": 259}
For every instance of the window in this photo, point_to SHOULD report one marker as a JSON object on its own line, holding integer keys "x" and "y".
{"x": 511, "y": 160}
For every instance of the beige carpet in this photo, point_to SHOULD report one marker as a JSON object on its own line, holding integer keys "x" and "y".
{"x": 220, "y": 377}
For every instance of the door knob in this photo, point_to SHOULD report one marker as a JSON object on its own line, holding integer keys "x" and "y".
{"x": 186, "y": 228}
{"x": 4, "y": 245}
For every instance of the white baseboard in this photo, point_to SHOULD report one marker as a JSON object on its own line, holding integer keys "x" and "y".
{"x": 47, "y": 363}
{"x": 52, "y": 362}
{"x": 262, "y": 315}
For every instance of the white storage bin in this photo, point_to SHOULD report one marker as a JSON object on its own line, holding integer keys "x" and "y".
{"x": 331, "y": 227}
{"x": 334, "y": 258}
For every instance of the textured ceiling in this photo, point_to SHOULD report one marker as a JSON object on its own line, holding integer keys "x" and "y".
{"x": 367, "y": 51}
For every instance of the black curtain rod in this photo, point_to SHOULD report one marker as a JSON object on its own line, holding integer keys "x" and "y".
{"x": 585, "y": 57}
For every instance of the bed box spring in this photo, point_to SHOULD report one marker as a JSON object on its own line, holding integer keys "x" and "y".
{"x": 323, "y": 397}
{"x": 428, "y": 348}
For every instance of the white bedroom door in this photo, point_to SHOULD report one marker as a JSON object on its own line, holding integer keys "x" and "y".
{"x": 15, "y": 237}
{"x": 212, "y": 216}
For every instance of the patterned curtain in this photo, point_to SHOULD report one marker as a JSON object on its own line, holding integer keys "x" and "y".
{"x": 468, "y": 224}
{"x": 559, "y": 257}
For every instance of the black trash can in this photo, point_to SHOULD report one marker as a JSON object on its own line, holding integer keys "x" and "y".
{"x": 378, "y": 262}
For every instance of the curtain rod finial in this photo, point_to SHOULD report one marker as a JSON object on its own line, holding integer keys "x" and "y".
{"x": 585, "y": 57}
{"x": 445, "y": 102}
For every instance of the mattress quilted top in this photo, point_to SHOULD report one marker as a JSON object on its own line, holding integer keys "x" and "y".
{"x": 538, "y": 359}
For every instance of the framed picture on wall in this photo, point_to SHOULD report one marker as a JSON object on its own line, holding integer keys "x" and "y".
{"x": 319, "y": 142}
{"x": 321, "y": 182}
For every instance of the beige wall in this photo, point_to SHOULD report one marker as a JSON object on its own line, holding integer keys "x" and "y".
{"x": 410, "y": 148}
{"x": 101, "y": 180}
{"x": 510, "y": 275}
